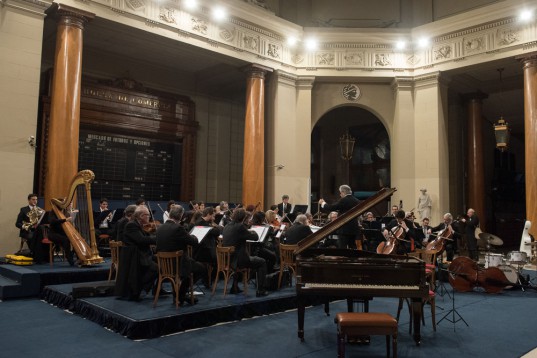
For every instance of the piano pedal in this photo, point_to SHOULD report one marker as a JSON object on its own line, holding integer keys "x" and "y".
{"x": 359, "y": 340}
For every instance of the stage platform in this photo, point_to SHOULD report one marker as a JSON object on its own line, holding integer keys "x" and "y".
{"x": 139, "y": 320}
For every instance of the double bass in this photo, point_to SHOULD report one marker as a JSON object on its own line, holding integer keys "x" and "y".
{"x": 465, "y": 274}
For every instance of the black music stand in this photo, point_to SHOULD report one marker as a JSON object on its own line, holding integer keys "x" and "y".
{"x": 455, "y": 315}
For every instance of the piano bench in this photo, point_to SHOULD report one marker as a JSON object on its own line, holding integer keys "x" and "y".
{"x": 366, "y": 323}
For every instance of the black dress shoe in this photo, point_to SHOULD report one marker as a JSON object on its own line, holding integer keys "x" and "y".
{"x": 235, "y": 291}
{"x": 261, "y": 293}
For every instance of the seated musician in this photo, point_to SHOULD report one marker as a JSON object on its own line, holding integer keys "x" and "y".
{"x": 332, "y": 239}
{"x": 236, "y": 234}
{"x": 103, "y": 219}
{"x": 350, "y": 232}
{"x": 423, "y": 233}
{"x": 170, "y": 237}
{"x": 226, "y": 213}
{"x": 406, "y": 229}
{"x": 266, "y": 249}
{"x": 206, "y": 251}
{"x": 298, "y": 231}
{"x": 371, "y": 231}
{"x": 166, "y": 214}
{"x": 450, "y": 245}
{"x": 57, "y": 235}
{"x": 121, "y": 223}
{"x": 136, "y": 258}
{"x": 27, "y": 222}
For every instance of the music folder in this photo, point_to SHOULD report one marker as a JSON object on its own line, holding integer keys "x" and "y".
{"x": 200, "y": 232}
{"x": 261, "y": 231}
{"x": 118, "y": 214}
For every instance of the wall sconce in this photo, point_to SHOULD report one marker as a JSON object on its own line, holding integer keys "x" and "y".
{"x": 31, "y": 142}
{"x": 346, "y": 145}
{"x": 502, "y": 134}
{"x": 278, "y": 166}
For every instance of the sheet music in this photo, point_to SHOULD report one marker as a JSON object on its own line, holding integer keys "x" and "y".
{"x": 200, "y": 232}
{"x": 282, "y": 229}
{"x": 261, "y": 232}
{"x": 314, "y": 228}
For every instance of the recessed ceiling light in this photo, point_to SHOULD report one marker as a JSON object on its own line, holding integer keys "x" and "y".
{"x": 311, "y": 44}
{"x": 219, "y": 13}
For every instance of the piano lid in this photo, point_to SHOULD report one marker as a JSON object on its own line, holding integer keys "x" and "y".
{"x": 341, "y": 220}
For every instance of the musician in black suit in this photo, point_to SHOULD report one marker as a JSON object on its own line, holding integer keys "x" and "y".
{"x": 236, "y": 234}
{"x": 284, "y": 207}
{"x": 451, "y": 244}
{"x": 298, "y": 231}
{"x": 22, "y": 218}
{"x": 171, "y": 237}
{"x": 121, "y": 223}
{"x": 206, "y": 251}
{"x": 472, "y": 222}
{"x": 350, "y": 232}
{"x": 57, "y": 235}
{"x": 137, "y": 256}
{"x": 400, "y": 222}
{"x": 423, "y": 232}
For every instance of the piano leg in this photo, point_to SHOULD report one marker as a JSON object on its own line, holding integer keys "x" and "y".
{"x": 327, "y": 307}
{"x": 301, "y": 311}
{"x": 416, "y": 316}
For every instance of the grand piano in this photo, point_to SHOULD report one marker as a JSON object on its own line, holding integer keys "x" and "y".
{"x": 353, "y": 274}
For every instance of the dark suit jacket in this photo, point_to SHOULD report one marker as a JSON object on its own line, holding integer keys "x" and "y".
{"x": 471, "y": 224}
{"x": 120, "y": 229}
{"x": 342, "y": 206}
{"x": 296, "y": 233}
{"x": 134, "y": 235}
{"x": 235, "y": 234}
{"x": 23, "y": 216}
{"x": 173, "y": 237}
{"x": 287, "y": 209}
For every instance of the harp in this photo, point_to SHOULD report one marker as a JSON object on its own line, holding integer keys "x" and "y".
{"x": 81, "y": 231}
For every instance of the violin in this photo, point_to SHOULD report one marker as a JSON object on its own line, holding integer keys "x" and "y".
{"x": 439, "y": 242}
{"x": 151, "y": 227}
{"x": 465, "y": 274}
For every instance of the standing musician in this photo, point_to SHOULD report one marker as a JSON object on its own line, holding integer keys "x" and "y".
{"x": 350, "y": 232}
{"x": 408, "y": 234}
{"x": 451, "y": 245}
{"x": 284, "y": 207}
{"x": 472, "y": 222}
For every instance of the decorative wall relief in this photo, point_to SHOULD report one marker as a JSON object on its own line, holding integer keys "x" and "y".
{"x": 136, "y": 5}
{"x": 227, "y": 34}
{"x": 413, "y": 60}
{"x": 250, "y": 42}
{"x": 274, "y": 50}
{"x": 507, "y": 36}
{"x": 297, "y": 59}
{"x": 354, "y": 58}
{"x": 325, "y": 58}
{"x": 442, "y": 52}
{"x": 168, "y": 15}
{"x": 382, "y": 59}
{"x": 199, "y": 25}
{"x": 475, "y": 44}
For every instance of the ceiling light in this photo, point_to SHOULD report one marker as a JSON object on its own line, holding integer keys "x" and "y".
{"x": 526, "y": 15}
{"x": 219, "y": 13}
{"x": 423, "y": 42}
{"x": 311, "y": 44}
{"x": 292, "y": 41}
{"x": 400, "y": 45}
{"x": 191, "y": 4}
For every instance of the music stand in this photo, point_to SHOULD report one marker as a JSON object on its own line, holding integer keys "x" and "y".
{"x": 455, "y": 315}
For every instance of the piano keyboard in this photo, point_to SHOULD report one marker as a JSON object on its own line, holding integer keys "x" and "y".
{"x": 359, "y": 286}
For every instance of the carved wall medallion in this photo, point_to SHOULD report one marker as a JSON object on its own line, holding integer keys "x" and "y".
{"x": 167, "y": 14}
{"x": 351, "y": 92}
{"x": 273, "y": 50}
{"x": 227, "y": 34}
{"x": 413, "y": 60}
{"x": 507, "y": 36}
{"x": 136, "y": 5}
{"x": 325, "y": 58}
{"x": 250, "y": 42}
{"x": 297, "y": 58}
{"x": 442, "y": 52}
{"x": 474, "y": 45}
{"x": 354, "y": 58}
{"x": 382, "y": 59}
{"x": 199, "y": 25}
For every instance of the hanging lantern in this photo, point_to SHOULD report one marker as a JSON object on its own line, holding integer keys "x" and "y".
{"x": 502, "y": 133}
{"x": 346, "y": 145}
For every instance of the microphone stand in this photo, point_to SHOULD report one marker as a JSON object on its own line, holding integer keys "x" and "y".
{"x": 455, "y": 315}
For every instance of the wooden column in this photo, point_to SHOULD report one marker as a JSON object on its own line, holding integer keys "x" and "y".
{"x": 476, "y": 173}
{"x": 530, "y": 136}
{"x": 62, "y": 143}
{"x": 253, "y": 166}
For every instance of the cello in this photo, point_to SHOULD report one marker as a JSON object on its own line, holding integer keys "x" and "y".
{"x": 465, "y": 274}
{"x": 439, "y": 242}
{"x": 394, "y": 235}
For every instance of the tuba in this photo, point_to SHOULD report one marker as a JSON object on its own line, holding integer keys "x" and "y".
{"x": 34, "y": 216}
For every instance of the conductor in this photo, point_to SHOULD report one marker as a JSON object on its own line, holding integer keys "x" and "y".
{"x": 350, "y": 232}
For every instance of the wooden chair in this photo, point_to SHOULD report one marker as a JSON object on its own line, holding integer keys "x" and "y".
{"x": 365, "y": 323}
{"x": 223, "y": 262}
{"x": 52, "y": 247}
{"x": 169, "y": 268}
{"x": 114, "y": 255}
{"x": 287, "y": 260}
{"x": 429, "y": 257}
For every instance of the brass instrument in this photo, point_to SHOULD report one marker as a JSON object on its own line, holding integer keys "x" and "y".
{"x": 34, "y": 216}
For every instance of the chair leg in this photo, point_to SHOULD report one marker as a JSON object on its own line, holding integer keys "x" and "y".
{"x": 340, "y": 345}
{"x": 280, "y": 276}
{"x": 51, "y": 254}
{"x": 157, "y": 292}
{"x": 433, "y": 312}
{"x": 245, "y": 275}
{"x": 176, "y": 284}
{"x": 226, "y": 281}
{"x": 215, "y": 282}
{"x": 388, "y": 343}
{"x": 191, "y": 289}
{"x": 394, "y": 340}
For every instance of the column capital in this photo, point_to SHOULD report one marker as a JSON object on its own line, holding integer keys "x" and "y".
{"x": 528, "y": 59}
{"x": 70, "y": 16}
{"x": 255, "y": 70}
{"x": 305, "y": 82}
{"x": 402, "y": 83}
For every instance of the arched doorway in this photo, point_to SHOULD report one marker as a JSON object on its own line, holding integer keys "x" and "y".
{"x": 369, "y": 168}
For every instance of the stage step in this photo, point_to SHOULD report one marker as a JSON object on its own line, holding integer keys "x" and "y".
{"x": 18, "y": 281}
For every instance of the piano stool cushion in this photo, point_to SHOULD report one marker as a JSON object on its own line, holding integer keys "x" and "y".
{"x": 366, "y": 323}
{"x": 430, "y": 266}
